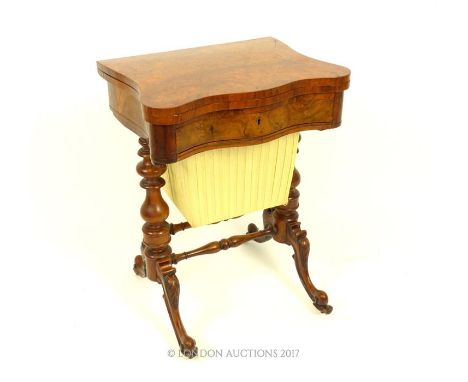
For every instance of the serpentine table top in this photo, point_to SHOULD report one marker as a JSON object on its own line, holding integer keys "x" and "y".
{"x": 240, "y": 107}
{"x": 235, "y": 94}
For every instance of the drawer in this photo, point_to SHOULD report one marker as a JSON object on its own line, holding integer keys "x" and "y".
{"x": 227, "y": 128}
{"x": 257, "y": 125}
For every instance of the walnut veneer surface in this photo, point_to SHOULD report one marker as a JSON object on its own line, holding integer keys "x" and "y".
{"x": 191, "y": 100}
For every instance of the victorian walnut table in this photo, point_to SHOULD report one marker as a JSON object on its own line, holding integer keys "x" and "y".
{"x": 219, "y": 126}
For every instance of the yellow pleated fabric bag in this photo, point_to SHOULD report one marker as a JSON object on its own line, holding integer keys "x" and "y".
{"x": 224, "y": 183}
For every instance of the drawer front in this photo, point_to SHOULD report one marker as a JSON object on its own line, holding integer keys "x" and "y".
{"x": 171, "y": 143}
{"x": 256, "y": 125}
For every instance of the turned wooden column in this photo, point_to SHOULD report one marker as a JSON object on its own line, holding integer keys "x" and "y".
{"x": 286, "y": 214}
{"x": 287, "y": 230}
{"x": 154, "y": 211}
{"x": 156, "y": 260}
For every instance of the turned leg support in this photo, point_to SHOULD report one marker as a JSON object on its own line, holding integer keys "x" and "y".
{"x": 155, "y": 262}
{"x": 287, "y": 230}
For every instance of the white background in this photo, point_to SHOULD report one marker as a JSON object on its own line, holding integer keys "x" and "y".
{"x": 383, "y": 200}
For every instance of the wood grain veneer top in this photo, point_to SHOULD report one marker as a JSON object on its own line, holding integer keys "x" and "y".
{"x": 176, "y": 86}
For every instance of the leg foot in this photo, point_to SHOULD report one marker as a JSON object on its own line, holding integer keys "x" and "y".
{"x": 287, "y": 228}
{"x": 139, "y": 266}
{"x": 156, "y": 260}
{"x": 298, "y": 239}
{"x": 171, "y": 288}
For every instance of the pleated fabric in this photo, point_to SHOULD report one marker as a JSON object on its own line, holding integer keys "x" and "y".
{"x": 224, "y": 183}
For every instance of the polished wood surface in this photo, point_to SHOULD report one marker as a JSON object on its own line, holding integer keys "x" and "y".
{"x": 288, "y": 231}
{"x": 179, "y": 85}
{"x": 184, "y": 102}
{"x": 235, "y": 94}
{"x": 156, "y": 261}
{"x": 224, "y": 244}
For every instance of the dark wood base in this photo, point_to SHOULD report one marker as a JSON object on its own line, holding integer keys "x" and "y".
{"x": 157, "y": 260}
{"x": 288, "y": 231}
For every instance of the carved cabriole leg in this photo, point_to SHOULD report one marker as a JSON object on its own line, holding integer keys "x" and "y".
{"x": 287, "y": 229}
{"x": 156, "y": 262}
